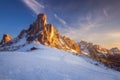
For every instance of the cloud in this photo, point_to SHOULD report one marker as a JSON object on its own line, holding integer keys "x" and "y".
{"x": 34, "y": 5}
{"x": 105, "y": 12}
{"x": 107, "y": 40}
{"x": 93, "y": 30}
{"x": 60, "y": 19}
{"x": 81, "y": 30}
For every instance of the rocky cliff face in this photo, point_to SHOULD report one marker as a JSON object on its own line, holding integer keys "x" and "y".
{"x": 115, "y": 50}
{"x": 6, "y": 38}
{"x": 93, "y": 49}
{"x": 46, "y": 34}
{"x": 110, "y": 58}
{"x": 42, "y": 32}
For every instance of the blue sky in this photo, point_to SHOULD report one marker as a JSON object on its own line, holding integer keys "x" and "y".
{"x": 96, "y": 21}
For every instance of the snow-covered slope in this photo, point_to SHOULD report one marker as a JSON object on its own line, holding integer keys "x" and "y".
{"x": 50, "y": 64}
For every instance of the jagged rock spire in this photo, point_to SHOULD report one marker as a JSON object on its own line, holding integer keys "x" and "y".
{"x": 46, "y": 34}
{"x": 41, "y": 20}
{"x": 6, "y": 38}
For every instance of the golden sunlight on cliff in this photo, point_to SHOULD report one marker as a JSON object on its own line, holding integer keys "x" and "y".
{"x": 6, "y": 39}
{"x": 52, "y": 33}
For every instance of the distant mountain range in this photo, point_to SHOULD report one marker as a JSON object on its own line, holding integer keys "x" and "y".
{"x": 110, "y": 58}
{"x": 43, "y": 33}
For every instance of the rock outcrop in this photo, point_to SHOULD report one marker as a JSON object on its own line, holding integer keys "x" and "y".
{"x": 42, "y": 32}
{"x": 115, "y": 50}
{"x": 6, "y": 38}
{"x": 93, "y": 49}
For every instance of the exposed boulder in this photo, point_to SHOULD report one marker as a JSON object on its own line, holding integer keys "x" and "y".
{"x": 33, "y": 48}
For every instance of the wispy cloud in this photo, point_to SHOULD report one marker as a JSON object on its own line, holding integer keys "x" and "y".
{"x": 93, "y": 30}
{"x": 34, "y": 5}
{"x": 60, "y": 19}
{"x": 105, "y": 12}
{"x": 66, "y": 29}
{"x": 80, "y": 30}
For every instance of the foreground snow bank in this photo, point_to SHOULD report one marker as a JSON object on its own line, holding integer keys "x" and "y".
{"x": 50, "y": 64}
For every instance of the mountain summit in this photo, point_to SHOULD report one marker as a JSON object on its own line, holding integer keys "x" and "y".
{"x": 6, "y": 38}
{"x": 42, "y": 32}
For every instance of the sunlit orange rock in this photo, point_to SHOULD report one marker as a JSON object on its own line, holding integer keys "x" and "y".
{"x": 42, "y": 32}
{"x": 6, "y": 38}
{"x": 46, "y": 34}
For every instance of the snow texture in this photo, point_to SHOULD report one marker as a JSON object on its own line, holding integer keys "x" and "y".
{"x": 50, "y": 64}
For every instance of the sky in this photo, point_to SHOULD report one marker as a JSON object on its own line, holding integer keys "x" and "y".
{"x": 96, "y": 21}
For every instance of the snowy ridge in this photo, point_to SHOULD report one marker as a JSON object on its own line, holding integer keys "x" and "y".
{"x": 50, "y": 64}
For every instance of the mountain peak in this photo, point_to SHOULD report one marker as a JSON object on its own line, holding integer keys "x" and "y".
{"x": 46, "y": 34}
{"x": 41, "y": 16}
{"x": 6, "y": 38}
{"x": 41, "y": 19}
